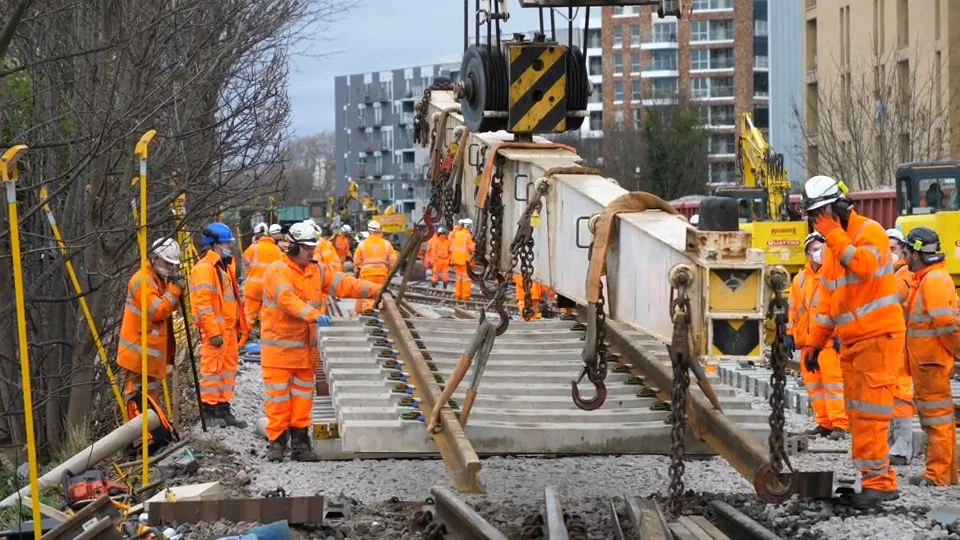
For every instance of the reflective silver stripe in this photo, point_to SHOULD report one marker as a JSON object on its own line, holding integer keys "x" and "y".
{"x": 226, "y": 387}
{"x": 281, "y": 288}
{"x": 884, "y": 270}
{"x": 317, "y": 304}
{"x": 202, "y": 286}
{"x": 936, "y": 420}
{"x": 228, "y": 375}
{"x": 221, "y": 320}
{"x": 823, "y": 319}
{"x": 898, "y": 401}
{"x": 289, "y": 343}
{"x": 278, "y": 399}
{"x": 834, "y": 397}
{"x": 136, "y": 348}
{"x": 932, "y": 332}
{"x": 926, "y": 405}
{"x": 277, "y": 387}
{"x": 133, "y": 309}
{"x": 254, "y": 280}
{"x": 834, "y": 284}
{"x": 833, "y": 386}
{"x": 871, "y": 408}
{"x": 871, "y": 463}
{"x": 170, "y": 297}
{"x": 789, "y": 325}
{"x": 296, "y": 392}
{"x": 878, "y": 472}
{"x": 205, "y": 311}
{"x": 211, "y": 377}
{"x": 815, "y": 387}
{"x": 268, "y": 302}
{"x": 868, "y": 308}
{"x": 302, "y": 382}
{"x": 847, "y": 255}
{"x": 304, "y": 312}
{"x": 365, "y": 290}
{"x": 335, "y": 284}
{"x": 801, "y": 277}
{"x": 816, "y": 399}
{"x": 154, "y": 307}
{"x": 938, "y": 312}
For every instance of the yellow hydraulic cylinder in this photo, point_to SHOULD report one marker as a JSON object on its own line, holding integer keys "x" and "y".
{"x": 9, "y": 175}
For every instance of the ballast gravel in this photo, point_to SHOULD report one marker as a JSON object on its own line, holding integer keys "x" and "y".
{"x": 385, "y": 492}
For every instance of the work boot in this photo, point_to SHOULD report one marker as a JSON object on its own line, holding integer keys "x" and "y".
{"x": 899, "y": 461}
{"x": 445, "y": 283}
{"x": 871, "y": 498}
{"x": 277, "y": 448}
{"x": 301, "y": 449}
{"x": 211, "y": 415}
{"x": 920, "y": 480}
{"x": 818, "y": 431}
{"x": 225, "y": 414}
{"x": 433, "y": 285}
{"x": 838, "y": 434}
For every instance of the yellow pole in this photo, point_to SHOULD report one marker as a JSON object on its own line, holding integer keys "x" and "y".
{"x": 83, "y": 305}
{"x": 142, "y": 153}
{"x": 9, "y": 175}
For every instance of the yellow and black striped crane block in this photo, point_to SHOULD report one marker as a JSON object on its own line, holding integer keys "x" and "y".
{"x": 538, "y": 87}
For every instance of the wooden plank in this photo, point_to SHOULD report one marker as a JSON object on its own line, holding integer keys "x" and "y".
{"x": 647, "y": 519}
{"x": 694, "y": 529}
{"x": 709, "y": 528}
{"x": 100, "y": 509}
{"x": 680, "y": 532}
{"x": 102, "y": 530}
{"x": 296, "y": 510}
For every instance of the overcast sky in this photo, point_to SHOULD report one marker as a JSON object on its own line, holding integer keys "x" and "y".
{"x": 382, "y": 35}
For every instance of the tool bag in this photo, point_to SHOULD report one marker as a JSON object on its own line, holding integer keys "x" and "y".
{"x": 159, "y": 436}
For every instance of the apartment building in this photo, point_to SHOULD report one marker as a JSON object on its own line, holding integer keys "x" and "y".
{"x": 786, "y": 85}
{"x": 909, "y": 49}
{"x": 718, "y": 58}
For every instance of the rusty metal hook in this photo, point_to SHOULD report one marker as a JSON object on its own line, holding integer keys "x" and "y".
{"x": 504, "y": 319}
{"x": 771, "y": 487}
{"x": 589, "y": 404}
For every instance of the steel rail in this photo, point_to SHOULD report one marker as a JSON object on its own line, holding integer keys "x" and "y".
{"x": 458, "y": 454}
{"x": 556, "y": 525}
{"x": 739, "y": 525}
{"x": 461, "y": 521}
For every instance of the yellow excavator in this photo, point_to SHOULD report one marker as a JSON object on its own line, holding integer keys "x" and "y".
{"x": 764, "y": 200}
{"x": 341, "y": 205}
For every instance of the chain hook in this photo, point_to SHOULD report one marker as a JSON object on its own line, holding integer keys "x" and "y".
{"x": 588, "y": 404}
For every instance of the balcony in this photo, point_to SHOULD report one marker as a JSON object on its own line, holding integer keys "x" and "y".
{"x": 660, "y": 37}
{"x": 408, "y": 171}
{"x": 361, "y": 122}
{"x": 367, "y": 98}
{"x": 721, "y": 91}
{"x": 377, "y": 121}
{"x": 362, "y": 170}
{"x": 368, "y": 146}
{"x": 384, "y": 95}
{"x": 406, "y": 118}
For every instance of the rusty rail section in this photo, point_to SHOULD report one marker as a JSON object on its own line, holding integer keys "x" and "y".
{"x": 458, "y": 454}
{"x": 747, "y": 455}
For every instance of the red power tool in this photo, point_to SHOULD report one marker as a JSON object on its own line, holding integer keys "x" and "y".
{"x": 82, "y": 489}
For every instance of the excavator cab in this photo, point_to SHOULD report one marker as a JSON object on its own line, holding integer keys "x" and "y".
{"x": 782, "y": 241}
{"x": 927, "y": 196}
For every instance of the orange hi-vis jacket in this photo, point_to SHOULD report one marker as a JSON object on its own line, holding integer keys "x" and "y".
{"x": 461, "y": 247}
{"x": 256, "y": 259}
{"x": 217, "y": 307}
{"x": 291, "y": 306}
{"x": 904, "y": 279}
{"x": 424, "y": 253}
{"x": 859, "y": 298}
{"x": 342, "y": 244}
{"x": 326, "y": 253}
{"x": 162, "y": 299}
{"x": 933, "y": 336}
{"x": 438, "y": 248}
{"x": 375, "y": 256}
{"x": 798, "y": 305}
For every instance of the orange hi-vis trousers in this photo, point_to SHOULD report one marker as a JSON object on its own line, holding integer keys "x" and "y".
{"x": 441, "y": 270}
{"x": 131, "y": 386}
{"x": 463, "y": 288}
{"x": 218, "y": 369}
{"x": 289, "y": 399}
{"x": 901, "y": 429}
{"x": 870, "y": 388}
{"x": 935, "y": 405}
{"x": 825, "y": 389}
{"x": 368, "y": 304}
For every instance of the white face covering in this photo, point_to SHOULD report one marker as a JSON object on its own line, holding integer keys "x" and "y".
{"x": 895, "y": 257}
{"x": 817, "y": 256}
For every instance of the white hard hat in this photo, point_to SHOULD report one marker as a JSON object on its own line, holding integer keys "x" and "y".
{"x": 695, "y": 219}
{"x": 467, "y": 222}
{"x": 820, "y": 191}
{"x": 811, "y": 238}
{"x": 373, "y": 226}
{"x": 167, "y": 249}
{"x": 894, "y": 234}
{"x": 276, "y": 229}
{"x": 363, "y": 235}
{"x": 303, "y": 233}
{"x": 260, "y": 228}
{"x": 346, "y": 229}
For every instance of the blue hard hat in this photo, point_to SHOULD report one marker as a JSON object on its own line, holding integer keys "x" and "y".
{"x": 217, "y": 233}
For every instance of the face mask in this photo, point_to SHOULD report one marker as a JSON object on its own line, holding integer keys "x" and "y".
{"x": 162, "y": 270}
{"x": 226, "y": 252}
{"x": 895, "y": 258}
{"x": 817, "y": 256}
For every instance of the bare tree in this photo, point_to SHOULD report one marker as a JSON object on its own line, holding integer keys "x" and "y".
{"x": 310, "y": 167}
{"x": 877, "y": 113}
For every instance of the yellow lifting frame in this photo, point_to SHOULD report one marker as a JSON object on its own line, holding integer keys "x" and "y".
{"x": 83, "y": 305}
{"x": 142, "y": 154}
{"x": 9, "y": 175}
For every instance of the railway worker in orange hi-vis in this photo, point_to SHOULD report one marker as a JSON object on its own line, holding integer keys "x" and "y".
{"x": 933, "y": 340}
{"x": 259, "y": 231}
{"x": 859, "y": 304}
{"x": 438, "y": 253}
{"x": 824, "y": 386}
{"x": 325, "y": 252}
{"x": 374, "y": 257}
{"x": 164, "y": 287}
{"x": 289, "y": 344}
{"x": 256, "y": 259}
{"x": 218, "y": 311}
{"x": 901, "y": 450}
{"x": 461, "y": 251}
{"x": 535, "y": 294}
{"x": 341, "y": 242}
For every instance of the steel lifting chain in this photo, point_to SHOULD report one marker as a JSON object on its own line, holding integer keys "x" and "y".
{"x": 525, "y": 248}
{"x": 777, "y": 311}
{"x": 421, "y": 116}
{"x": 495, "y": 217}
{"x": 680, "y": 360}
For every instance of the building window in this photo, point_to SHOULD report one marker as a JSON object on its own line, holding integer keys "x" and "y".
{"x": 628, "y": 10}
{"x": 701, "y": 5}
{"x": 617, "y": 36}
{"x": 721, "y": 58}
{"x": 721, "y": 87}
{"x": 761, "y": 84}
{"x": 594, "y": 38}
{"x": 596, "y": 65}
{"x": 635, "y": 62}
{"x": 597, "y": 95}
{"x": 761, "y": 62}
{"x": 596, "y": 120}
{"x": 665, "y": 32}
{"x": 700, "y": 59}
{"x": 618, "y": 90}
{"x": 703, "y": 113}
{"x": 722, "y": 172}
{"x": 700, "y": 87}
{"x": 721, "y": 30}
{"x": 636, "y": 117}
{"x": 618, "y": 63}
{"x": 663, "y": 60}
{"x": 722, "y": 115}
{"x": 634, "y": 34}
{"x": 618, "y": 117}
{"x": 664, "y": 87}
{"x": 759, "y": 28}
{"x": 761, "y": 116}
{"x": 635, "y": 90}
{"x": 699, "y": 30}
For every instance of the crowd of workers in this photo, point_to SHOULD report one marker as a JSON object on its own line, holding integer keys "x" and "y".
{"x": 874, "y": 316}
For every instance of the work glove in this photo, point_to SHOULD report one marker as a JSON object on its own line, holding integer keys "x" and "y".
{"x": 791, "y": 345}
{"x": 826, "y": 225}
{"x": 216, "y": 341}
{"x": 811, "y": 359}
{"x": 177, "y": 279}
{"x": 324, "y": 321}
{"x": 836, "y": 344}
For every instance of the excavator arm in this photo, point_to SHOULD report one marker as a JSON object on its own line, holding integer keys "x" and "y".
{"x": 762, "y": 167}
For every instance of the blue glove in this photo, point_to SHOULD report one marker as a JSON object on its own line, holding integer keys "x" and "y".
{"x": 836, "y": 344}
{"x": 324, "y": 320}
{"x": 791, "y": 345}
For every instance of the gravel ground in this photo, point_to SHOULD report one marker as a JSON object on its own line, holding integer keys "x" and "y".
{"x": 585, "y": 484}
